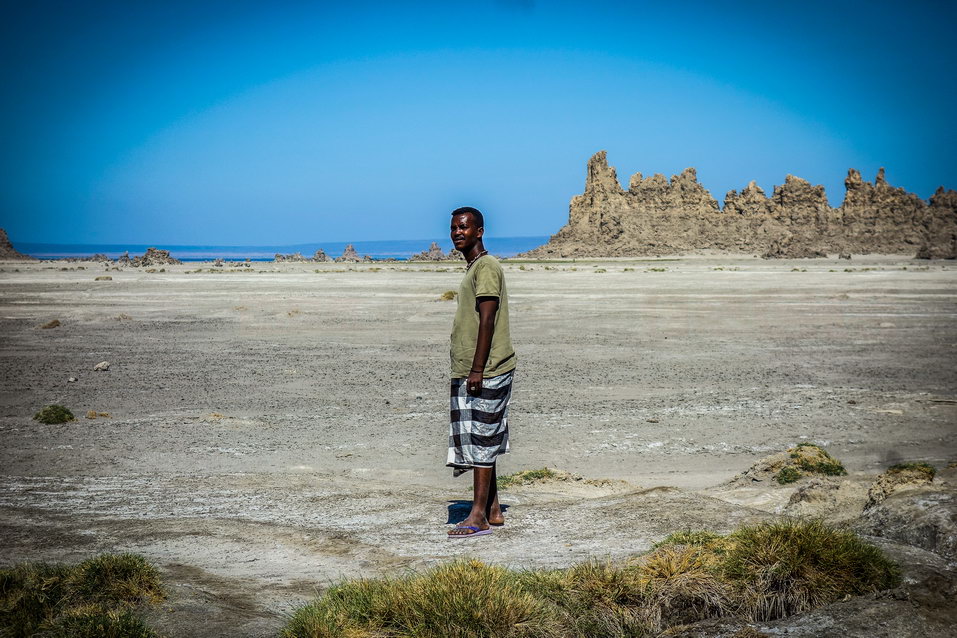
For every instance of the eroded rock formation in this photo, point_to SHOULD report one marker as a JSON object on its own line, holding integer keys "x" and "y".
{"x": 319, "y": 256}
{"x": 434, "y": 253}
{"x": 8, "y": 252}
{"x": 657, "y": 216}
{"x": 350, "y": 255}
{"x": 152, "y": 257}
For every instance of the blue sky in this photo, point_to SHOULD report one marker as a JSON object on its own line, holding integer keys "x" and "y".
{"x": 293, "y": 122}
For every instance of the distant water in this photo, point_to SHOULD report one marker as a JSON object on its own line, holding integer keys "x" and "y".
{"x": 395, "y": 249}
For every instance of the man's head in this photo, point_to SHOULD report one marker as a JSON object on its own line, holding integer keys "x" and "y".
{"x": 474, "y": 212}
{"x": 467, "y": 228}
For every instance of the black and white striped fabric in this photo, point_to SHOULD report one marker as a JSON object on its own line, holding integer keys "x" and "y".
{"x": 478, "y": 430}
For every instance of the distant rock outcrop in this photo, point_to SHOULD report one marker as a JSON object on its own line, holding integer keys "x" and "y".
{"x": 290, "y": 257}
{"x": 350, "y": 255}
{"x": 434, "y": 253}
{"x": 152, "y": 257}
{"x": 319, "y": 256}
{"x": 657, "y": 216}
{"x": 8, "y": 252}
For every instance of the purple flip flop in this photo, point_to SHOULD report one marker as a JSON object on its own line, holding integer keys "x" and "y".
{"x": 475, "y": 532}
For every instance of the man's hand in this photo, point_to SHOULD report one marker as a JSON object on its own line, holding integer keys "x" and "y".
{"x": 473, "y": 384}
{"x": 487, "y": 307}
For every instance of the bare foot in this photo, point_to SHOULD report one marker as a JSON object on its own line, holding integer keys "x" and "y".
{"x": 469, "y": 527}
{"x": 496, "y": 517}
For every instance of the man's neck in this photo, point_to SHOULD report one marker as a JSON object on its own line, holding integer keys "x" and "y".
{"x": 474, "y": 252}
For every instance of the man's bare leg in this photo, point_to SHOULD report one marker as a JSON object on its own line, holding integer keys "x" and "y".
{"x": 494, "y": 510}
{"x": 481, "y": 488}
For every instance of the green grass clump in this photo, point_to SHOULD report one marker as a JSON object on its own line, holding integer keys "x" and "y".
{"x": 126, "y": 578}
{"x": 29, "y": 595}
{"x": 928, "y": 470}
{"x": 98, "y": 597}
{"x": 807, "y": 458}
{"x": 787, "y": 475}
{"x": 759, "y": 572}
{"x": 815, "y": 459}
{"x": 526, "y": 477}
{"x": 448, "y": 295}
{"x": 97, "y": 622}
{"x": 52, "y": 414}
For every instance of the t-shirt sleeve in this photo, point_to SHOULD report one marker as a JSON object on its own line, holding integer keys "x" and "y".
{"x": 488, "y": 279}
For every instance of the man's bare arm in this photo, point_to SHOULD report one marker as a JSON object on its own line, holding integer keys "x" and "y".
{"x": 487, "y": 307}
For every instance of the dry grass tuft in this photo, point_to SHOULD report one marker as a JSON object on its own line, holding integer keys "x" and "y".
{"x": 789, "y": 567}
{"x": 464, "y": 599}
{"x": 448, "y": 295}
{"x": 759, "y": 572}
{"x": 53, "y": 323}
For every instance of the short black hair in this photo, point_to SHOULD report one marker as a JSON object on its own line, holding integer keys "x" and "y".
{"x": 474, "y": 212}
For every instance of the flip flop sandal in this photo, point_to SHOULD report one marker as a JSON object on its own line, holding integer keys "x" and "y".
{"x": 475, "y": 532}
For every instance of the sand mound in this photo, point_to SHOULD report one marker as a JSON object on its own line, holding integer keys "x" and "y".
{"x": 832, "y": 499}
{"x": 899, "y": 477}
{"x": 548, "y": 479}
{"x": 791, "y": 465}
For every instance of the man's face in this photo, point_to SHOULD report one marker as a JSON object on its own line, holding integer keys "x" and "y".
{"x": 464, "y": 232}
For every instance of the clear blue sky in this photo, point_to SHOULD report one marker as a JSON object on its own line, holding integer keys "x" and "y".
{"x": 291, "y": 122}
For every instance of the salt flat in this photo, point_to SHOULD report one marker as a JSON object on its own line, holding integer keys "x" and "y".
{"x": 276, "y": 427}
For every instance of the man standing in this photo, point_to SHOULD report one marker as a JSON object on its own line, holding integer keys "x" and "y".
{"x": 483, "y": 363}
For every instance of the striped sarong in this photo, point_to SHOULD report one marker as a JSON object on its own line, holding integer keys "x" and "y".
{"x": 478, "y": 425}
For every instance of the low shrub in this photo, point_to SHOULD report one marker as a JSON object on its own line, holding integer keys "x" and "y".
{"x": 52, "y": 414}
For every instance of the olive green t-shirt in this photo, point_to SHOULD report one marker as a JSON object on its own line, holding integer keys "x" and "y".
{"x": 483, "y": 279}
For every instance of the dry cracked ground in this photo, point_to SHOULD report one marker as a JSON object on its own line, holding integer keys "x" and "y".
{"x": 276, "y": 428}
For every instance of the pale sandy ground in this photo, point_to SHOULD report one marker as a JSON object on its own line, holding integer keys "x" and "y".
{"x": 276, "y": 428}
